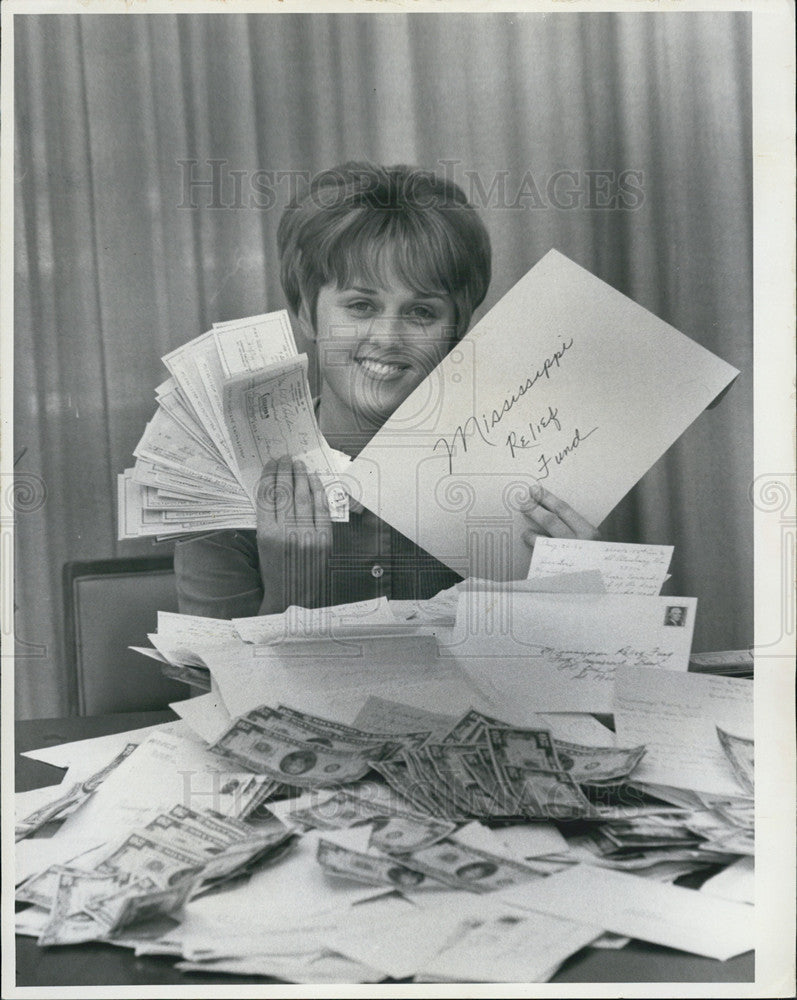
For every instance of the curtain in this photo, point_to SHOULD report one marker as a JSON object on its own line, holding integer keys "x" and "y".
{"x": 119, "y": 119}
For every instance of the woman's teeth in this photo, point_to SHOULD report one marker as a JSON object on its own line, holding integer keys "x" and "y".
{"x": 381, "y": 368}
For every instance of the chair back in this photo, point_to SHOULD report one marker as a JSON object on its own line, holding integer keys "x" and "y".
{"x": 109, "y": 605}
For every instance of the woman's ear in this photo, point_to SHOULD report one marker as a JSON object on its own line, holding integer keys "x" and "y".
{"x": 305, "y": 323}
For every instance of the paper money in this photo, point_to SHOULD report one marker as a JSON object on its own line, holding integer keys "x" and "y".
{"x": 41, "y": 889}
{"x": 69, "y": 921}
{"x": 472, "y": 728}
{"x": 402, "y": 833}
{"x": 147, "y": 860}
{"x": 308, "y": 765}
{"x": 371, "y": 869}
{"x": 67, "y": 802}
{"x": 309, "y": 729}
{"x": 464, "y": 867}
{"x": 526, "y": 761}
{"x": 590, "y": 765}
{"x": 137, "y": 903}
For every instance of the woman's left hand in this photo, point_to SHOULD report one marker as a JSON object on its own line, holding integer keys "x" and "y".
{"x": 550, "y": 517}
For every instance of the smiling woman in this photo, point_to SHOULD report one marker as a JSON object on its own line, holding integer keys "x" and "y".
{"x": 383, "y": 267}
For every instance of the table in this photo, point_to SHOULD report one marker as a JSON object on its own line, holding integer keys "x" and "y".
{"x": 101, "y": 964}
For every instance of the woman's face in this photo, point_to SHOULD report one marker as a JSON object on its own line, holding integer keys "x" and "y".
{"x": 376, "y": 345}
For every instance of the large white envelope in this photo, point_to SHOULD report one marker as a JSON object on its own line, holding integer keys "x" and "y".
{"x": 560, "y": 652}
{"x": 565, "y": 382}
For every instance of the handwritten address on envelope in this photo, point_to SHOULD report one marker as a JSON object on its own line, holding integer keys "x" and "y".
{"x": 565, "y": 383}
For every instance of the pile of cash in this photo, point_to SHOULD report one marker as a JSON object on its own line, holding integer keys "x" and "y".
{"x": 347, "y": 826}
{"x": 150, "y": 874}
{"x": 236, "y": 397}
{"x": 448, "y": 863}
{"x": 481, "y": 768}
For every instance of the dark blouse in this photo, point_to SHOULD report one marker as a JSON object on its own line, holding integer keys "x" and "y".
{"x": 218, "y": 574}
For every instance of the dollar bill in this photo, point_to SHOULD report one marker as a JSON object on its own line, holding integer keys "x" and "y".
{"x": 58, "y": 808}
{"x": 289, "y": 760}
{"x": 592, "y": 765}
{"x": 257, "y": 811}
{"x": 480, "y": 764}
{"x": 448, "y": 761}
{"x": 69, "y": 922}
{"x": 427, "y": 783}
{"x": 138, "y": 904}
{"x": 402, "y": 833}
{"x": 145, "y": 859}
{"x": 308, "y": 729}
{"x": 192, "y": 837}
{"x": 244, "y": 855}
{"x": 228, "y": 829}
{"x": 371, "y": 869}
{"x": 397, "y": 774}
{"x": 472, "y": 728}
{"x": 41, "y": 888}
{"x": 740, "y": 753}
{"x": 393, "y": 741}
{"x": 465, "y": 867}
{"x": 527, "y": 764}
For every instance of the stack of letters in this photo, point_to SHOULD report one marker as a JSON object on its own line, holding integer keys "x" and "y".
{"x": 311, "y": 818}
{"x": 236, "y": 397}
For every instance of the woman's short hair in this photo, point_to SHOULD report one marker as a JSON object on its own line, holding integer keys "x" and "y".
{"x": 357, "y": 221}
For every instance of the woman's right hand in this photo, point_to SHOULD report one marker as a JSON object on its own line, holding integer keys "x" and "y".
{"x": 294, "y": 536}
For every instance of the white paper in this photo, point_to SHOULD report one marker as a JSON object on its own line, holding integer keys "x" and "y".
{"x": 89, "y": 756}
{"x": 626, "y": 568}
{"x": 379, "y": 715}
{"x": 675, "y": 716}
{"x": 269, "y": 414}
{"x": 626, "y": 904}
{"x": 507, "y": 949}
{"x": 526, "y": 841}
{"x": 296, "y": 624}
{"x": 194, "y": 628}
{"x": 579, "y": 582}
{"x": 332, "y": 678}
{"x": 206, "y": 715}
{"x": 401, "y": 940}
{"x": 565, "y": 382}
{"x": 320, "y": 968}
{"x": 166, "y": 769}
{"x": 736, "y": 882}
{"x": 291, "y": 894}
{"x": 559, "y": 653}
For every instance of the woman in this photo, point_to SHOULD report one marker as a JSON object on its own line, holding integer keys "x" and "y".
{"x": 383, "y": 268}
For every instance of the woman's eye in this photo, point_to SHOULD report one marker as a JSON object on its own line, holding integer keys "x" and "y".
{"x": 422, "y": 313}
{"x": 361, "y": 307}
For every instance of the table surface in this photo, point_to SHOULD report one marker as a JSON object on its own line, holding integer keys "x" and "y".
{"x": 100, "y": 964}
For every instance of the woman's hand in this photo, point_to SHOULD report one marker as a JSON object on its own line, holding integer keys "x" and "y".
{"x": 294, "y": 536}
{"x": 553, "y": 518}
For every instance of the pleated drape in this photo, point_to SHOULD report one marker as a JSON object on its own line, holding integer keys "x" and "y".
{"x": 117, "y": 117}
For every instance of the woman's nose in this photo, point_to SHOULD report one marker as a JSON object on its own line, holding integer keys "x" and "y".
{"x": 387, "y": 329}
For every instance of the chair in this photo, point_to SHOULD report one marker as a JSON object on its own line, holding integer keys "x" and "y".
{"x": 110, "y": 604}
